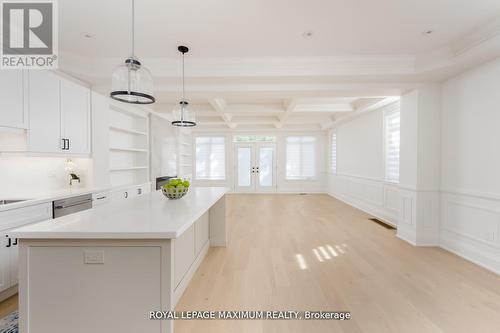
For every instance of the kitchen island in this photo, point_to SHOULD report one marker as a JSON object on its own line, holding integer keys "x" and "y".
{"x": 105, "y": 269}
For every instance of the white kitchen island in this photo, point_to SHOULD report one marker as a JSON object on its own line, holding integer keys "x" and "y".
{"x": 105, "y": 269}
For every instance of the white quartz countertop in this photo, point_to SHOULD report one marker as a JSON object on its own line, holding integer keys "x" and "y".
{"x": 150, "y": 216}
{"x": 30, "y": 199}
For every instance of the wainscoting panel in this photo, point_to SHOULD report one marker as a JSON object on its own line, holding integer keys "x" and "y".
{"x": 376, "y": 197}
{"x": 470, "y": 227}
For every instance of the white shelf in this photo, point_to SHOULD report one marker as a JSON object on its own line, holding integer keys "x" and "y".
{"x": 129, "y": 149}
{"x": 127, "y": 130}
{"x": 128, "y": 168}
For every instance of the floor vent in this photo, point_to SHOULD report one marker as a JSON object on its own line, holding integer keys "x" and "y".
{"x": 385, "y": 225}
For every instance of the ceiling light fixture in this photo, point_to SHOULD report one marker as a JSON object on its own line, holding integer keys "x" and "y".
{"x": 132, "y": 82}
{"x": 182, "y": 116}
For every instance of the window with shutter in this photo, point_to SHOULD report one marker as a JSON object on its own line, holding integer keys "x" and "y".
{"x": 210, "y": 158}
{"x": 300, "y": 157}
{"x": 392, "y": 139}
{"x": 333, "y": 153}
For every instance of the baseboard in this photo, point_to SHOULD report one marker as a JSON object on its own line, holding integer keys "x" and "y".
{"x": 189, "y": 274}
{"x": 8, "y": 293}
{"x": 467, "y": 250}
{"x": 364, "y": 209}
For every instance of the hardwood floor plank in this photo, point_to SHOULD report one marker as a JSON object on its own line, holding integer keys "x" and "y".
{"x": 351, "y": 264}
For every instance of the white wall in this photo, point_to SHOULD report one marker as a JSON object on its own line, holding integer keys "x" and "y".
{"x": 359, "y": 180}
{"x": 470, "y": 215}
{"x": 283, "y": 185}
{"x": 21, "y": 175}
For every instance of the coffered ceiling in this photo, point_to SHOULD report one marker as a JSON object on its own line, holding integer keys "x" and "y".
{"x": 280, "y": 64}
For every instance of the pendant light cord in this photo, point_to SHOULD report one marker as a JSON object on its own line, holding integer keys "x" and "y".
{"x": 133, "y": 28}
{"x": 183, "y": 80}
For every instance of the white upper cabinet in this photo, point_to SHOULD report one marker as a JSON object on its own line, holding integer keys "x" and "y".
{"x": 13, "y": 112}
{"x": 75, "y": 117}
{"x": 59, "y": 112}
{"x": 44, "y": 108}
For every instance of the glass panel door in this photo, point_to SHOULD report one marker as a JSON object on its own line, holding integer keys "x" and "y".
{"x": 266, "y": 168}
{"x": 244, "y": 168}
{"x": 255, "y": 167}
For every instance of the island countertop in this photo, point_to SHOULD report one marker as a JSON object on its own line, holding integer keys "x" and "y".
{"x": 150, "y": 216}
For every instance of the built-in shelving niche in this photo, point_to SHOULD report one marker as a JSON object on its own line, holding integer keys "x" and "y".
{"x": 128, "y": 146}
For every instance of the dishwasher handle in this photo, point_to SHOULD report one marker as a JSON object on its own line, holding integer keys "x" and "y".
{"x": 72, "y": 205}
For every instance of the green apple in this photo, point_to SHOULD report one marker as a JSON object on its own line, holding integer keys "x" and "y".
{"x": 186, "y": 183}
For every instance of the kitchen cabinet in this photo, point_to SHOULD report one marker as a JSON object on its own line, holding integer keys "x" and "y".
{"x": 129, "y": 192}
{"x": 9, "y": 247}
{"x": 14, "y": 111}
{"x": 75, "y": 117}
{"x": 45, "y": 117}
{"x": 59, "y": 113}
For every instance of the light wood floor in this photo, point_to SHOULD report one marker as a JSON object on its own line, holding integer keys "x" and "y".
{"x": 387, "y": 284}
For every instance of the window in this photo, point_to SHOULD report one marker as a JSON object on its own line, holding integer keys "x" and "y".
{"x": 333, "y": 153}
{"x": 254, "y": 138}
{"x": 392, "y": 138}
{"x": 300, "y": 157}
{"x": 210, "y": 158}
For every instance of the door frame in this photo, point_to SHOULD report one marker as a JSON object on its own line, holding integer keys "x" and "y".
{"x": 255, "y": 158}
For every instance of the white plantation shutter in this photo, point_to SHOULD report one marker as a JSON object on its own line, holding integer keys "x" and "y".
{"x": 334, "y": 153}
{"x": 210, "y": 158}
{"x": 392, "y": 140}
{"x": 300, "y": 157}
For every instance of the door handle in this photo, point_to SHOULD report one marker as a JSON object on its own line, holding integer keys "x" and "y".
{"x": 10, "y": 241}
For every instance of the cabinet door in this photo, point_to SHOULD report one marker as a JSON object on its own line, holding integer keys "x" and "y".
{"x": 75, "y": 116}
{"x": 12, "y": 113}
{"x": 45, "y": 119}
{"x": 5, "y": 250}
{"x": 13, "y": 262}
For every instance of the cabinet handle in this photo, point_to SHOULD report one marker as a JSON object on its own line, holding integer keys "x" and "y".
{"x": 9, "y": 243}
{"x": 15, "y": 241}
{"x": 126, "y": 194}
{"x": 68, "y": 144}
{"x": 139, "y": 191}
{"x": 100, "y": 198}
{"x": 63, "y": 144}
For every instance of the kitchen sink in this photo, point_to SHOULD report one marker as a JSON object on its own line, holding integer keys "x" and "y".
{"x": 6, "y": 202}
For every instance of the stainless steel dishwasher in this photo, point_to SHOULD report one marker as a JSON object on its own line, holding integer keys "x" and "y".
{"x": 72, "y": 205}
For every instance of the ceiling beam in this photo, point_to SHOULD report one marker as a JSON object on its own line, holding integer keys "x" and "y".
{"x": 219, "y": 104}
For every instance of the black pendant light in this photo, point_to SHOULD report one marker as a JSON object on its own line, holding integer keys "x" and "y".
{"x": 183, "y": 117}
{"x": 132, "y": 82}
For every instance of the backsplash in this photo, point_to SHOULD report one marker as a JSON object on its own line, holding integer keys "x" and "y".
{"x": 20, "y": 174}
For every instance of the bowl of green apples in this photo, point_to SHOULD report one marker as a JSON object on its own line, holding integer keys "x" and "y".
{"x": 176, "y": 188}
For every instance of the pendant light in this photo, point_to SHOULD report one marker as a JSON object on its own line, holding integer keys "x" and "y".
{"x": 132, "y": 82}
{"x": 182, "y": 116}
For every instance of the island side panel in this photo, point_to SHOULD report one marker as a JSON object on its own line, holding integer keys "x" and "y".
{"x": 62, "y": 291}
{"x": 218, "y": 225}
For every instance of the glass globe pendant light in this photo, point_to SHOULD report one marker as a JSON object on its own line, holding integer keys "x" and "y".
{"x": 182, "y": 116}
{"x": 131, "y": 82}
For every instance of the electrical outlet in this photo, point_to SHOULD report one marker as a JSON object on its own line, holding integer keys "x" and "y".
{"x": 93, "y": 257}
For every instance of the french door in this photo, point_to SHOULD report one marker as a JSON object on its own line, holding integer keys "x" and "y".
{"x": 255, "y": 167}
